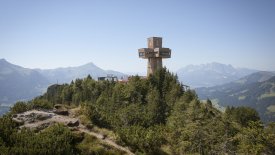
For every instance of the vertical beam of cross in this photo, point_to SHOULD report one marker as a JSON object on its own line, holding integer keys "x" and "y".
{"x": 154, "y": 53}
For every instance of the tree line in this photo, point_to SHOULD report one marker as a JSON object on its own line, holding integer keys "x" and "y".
{"x": 155, "y": 116}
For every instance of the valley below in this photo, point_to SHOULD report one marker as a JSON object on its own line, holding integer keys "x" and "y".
{"x": 256, "y": 90}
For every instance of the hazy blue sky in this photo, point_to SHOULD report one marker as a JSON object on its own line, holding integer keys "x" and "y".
{"x": 61, "y": 33}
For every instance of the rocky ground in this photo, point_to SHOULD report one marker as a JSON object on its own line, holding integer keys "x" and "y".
{"x": 35, "y": 119}
{"x": 39, "y": 120}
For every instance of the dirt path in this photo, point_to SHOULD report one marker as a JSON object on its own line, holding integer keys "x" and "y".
{"x": 42, "y": 119}
{"x": 106, "y": 140}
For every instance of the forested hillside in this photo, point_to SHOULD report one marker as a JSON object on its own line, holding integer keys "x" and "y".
{"x": 256, "y": 91}
{"x": 150, "y": 116}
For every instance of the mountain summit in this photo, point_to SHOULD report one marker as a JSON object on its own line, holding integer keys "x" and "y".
{"x": 65, "y": 75}
{"x": 18, "y": 83}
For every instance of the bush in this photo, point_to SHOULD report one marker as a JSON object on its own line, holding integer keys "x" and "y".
{"x": 41, "y": 104}
{"x": 19, "y": 107}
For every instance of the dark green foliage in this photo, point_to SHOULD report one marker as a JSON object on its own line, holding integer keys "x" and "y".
{"x": 40, "y": 103}
{"x": 193, "y": 126}
{"x": 37, "y": 103}
{"x": 7, "y": 128}
{"x": 250, "y": 91}
{"x": 54, "y": 140}
{"x": 242, "y": 115}
{"x": 19, "y": 107}
{"x": 270, "y": 137}
{"x": 251, "y": 139}
{"x": 139, "y": 104}
{"x": 53, "y": 94}
{"x": 151, "y": 116}
{"x": 143, "y": 139}
{"x": 57, "y": 140}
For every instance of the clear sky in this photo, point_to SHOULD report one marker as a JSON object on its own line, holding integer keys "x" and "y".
{"x": 62, "y": 33}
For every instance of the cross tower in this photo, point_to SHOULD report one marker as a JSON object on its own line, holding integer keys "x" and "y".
{"x": 154, "y": 53}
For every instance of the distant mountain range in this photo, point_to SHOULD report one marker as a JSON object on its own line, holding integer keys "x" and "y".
{"x": 256, "y": 90}
{"x": 65, "y": 75}
{"x": 211, "y": 74}
{"x": 18, "y": 83}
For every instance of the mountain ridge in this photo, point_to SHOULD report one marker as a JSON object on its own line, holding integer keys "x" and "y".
{"x": 211, "y": 74}
{"x": 256, "y": 90}
{"x": 66, "y": 74}
{"x": 19, "y": 83}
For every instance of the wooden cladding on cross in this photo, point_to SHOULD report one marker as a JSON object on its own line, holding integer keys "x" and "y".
{"x": 154, "y": 53}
